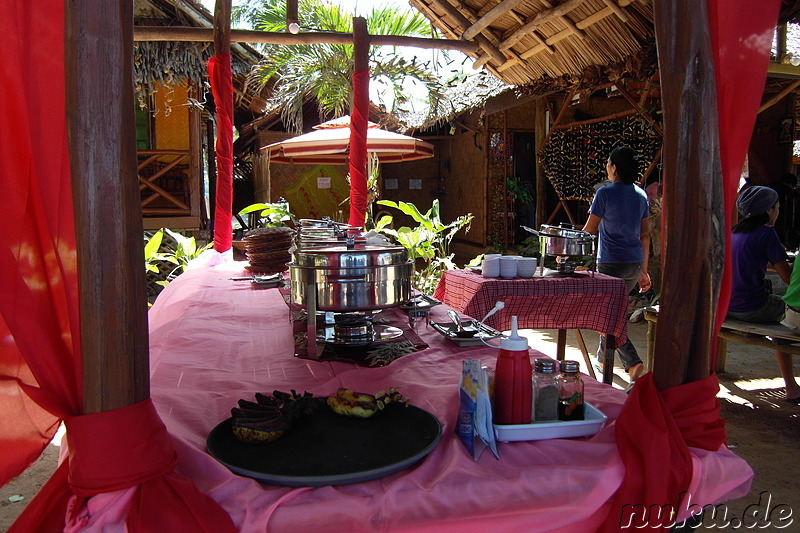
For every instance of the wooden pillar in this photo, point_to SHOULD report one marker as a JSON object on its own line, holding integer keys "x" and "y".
{"x": 195, "y": 145}
{"x": 694, "y": 222}
{"x": 540, "y": 134}
{"x": 222, "y": 26}
{"x": 108, "y": 219}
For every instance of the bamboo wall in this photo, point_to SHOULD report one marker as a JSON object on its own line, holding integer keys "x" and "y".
{"x": 456, "y": 176}
{"x": 171, "y": 118}
{"x": 425, "y": 170}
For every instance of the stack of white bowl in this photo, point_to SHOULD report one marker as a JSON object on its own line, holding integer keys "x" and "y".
{"x": 508, "y": 266}
{"x": 490, "y": 267}
{"x": 526, "y": 266}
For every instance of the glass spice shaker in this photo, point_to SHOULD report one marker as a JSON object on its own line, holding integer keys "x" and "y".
{"x": 570, "y": 392}
{"x": 545, "y": 402}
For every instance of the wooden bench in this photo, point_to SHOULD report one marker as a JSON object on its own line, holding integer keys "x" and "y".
{"x": 775, "y": 336}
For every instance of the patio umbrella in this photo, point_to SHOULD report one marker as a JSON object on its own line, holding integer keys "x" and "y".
{"x": 329, "y": 143}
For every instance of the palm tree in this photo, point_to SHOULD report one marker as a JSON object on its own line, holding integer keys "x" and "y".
{"x": 323, "y": 72}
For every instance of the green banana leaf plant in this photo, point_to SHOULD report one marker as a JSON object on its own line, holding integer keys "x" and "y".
{"x": 428, "y": 243}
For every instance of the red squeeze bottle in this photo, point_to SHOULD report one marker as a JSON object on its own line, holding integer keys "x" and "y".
{"x": 512, "y": 389}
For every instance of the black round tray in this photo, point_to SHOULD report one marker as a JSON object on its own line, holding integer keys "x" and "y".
{"x": 328, "y": 449}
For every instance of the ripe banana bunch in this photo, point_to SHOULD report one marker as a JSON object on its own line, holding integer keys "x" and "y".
{"x": 269, "y": 417}
{"x": 351, "y": 403}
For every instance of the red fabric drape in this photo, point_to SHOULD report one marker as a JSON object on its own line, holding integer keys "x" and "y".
{"x": 40, "y": 357}
{"x": 655, "y": 427}
{"x": 358, "y": 148}
{"x": 653, "y": 431}
{"x": 39, "y": 346}
{"x": 114, "y": 450}
{"x": 219, "y": 71}
{"x": 741, "y": 33}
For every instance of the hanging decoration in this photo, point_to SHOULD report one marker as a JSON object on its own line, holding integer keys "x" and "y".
{"x": 574, "y": 159}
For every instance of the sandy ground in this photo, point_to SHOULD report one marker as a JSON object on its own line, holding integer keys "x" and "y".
{"x": 761, "y": 428}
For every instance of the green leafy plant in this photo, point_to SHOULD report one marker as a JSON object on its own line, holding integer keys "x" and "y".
{"x": 151, "y": 254}
{"x": 529, "y": 247}
{"x": 428, "y": 243}
{"x": 521, "y": 190}
{"x": 271, "y": 215}
{"x": 180, "y": 254}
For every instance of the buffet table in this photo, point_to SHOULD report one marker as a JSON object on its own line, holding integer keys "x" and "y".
{"x": 214, "y": 341}
{"x": 583, "y": 300}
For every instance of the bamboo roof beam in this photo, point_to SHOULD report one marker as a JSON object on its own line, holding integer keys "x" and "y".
{"x": 547, "y": 44}
{"x": 618, "y": 11}
{"x": 191, "y": 34}
{"x": 543, "y": 17}
{"x": 431, "y": 14}
{"x": 493, "y": 14}
{"x": 558, "y": 13}
{"x": 778, "y": 97}
{"x": 463, "y": 22}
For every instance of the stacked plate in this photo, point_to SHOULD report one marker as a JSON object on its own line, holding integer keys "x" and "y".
{"x": 267, "y": 249}
{"x": 526, "y": 266}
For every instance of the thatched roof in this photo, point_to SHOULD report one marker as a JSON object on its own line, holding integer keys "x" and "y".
{"x": 523, "y": 41}
{"x": 174, "y": 62}
{"x": 463, "y": 95}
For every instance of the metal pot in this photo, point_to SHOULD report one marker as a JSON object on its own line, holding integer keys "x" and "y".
{"x": 564, "y": 241}
{"x": 351, "y": 278}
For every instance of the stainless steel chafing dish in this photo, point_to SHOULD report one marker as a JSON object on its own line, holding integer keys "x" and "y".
{"x": 564, "y": 240}
{"x": 353, "y": 277}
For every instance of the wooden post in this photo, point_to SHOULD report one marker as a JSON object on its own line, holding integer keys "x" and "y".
{"x": 108, "y": 219}
{"x": 222, "y": 26}
{"x": 693, "y": 196}
{"x": 540, "y": 132}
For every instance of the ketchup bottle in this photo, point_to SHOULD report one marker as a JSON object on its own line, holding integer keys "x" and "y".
{"x": 512, "y": 390}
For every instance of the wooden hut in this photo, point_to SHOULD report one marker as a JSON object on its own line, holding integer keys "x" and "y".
{"x": 175, "y": 115}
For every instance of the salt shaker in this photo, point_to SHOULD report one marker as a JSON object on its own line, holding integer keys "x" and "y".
{"x": 545, "y": 401}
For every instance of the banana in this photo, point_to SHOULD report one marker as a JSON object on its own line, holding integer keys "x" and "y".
{"x": 347, "y": 402}
{"x": 352, "y": 403}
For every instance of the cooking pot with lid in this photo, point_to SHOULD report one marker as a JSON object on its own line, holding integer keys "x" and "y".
{"x": 564, "y": 240}
{"x": 354, "y": 277}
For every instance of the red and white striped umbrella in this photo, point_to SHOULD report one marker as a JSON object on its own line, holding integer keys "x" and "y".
{"x": 329, "y": 143}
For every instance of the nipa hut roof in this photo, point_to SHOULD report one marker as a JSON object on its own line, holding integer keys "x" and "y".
{"x": 523, "y": 41}
{"x": 171, "y": 62}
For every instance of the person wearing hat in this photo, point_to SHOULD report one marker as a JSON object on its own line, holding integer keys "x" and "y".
{"x": 754, "y": 245}
{"x": 620, "y": 215}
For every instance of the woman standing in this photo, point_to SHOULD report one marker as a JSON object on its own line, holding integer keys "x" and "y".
{"x": 620, "y": 214}
{"x": 754, "y": 245}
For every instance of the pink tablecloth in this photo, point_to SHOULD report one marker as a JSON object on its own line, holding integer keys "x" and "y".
{"x": 584, "y": 301}
{"x": 214, "y": 341}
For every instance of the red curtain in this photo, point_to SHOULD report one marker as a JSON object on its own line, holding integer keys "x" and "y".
{"x": 358, "y": 148}
{"x": 656, "y": 427}
{"x": 40, "y": 351}
{"x": 741, "y": 32}
{"x": 219, "y": 72}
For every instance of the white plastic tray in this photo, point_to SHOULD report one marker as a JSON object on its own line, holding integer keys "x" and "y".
{"x": 557, "y": 429}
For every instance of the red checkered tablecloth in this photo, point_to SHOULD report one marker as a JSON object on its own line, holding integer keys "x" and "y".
{"x": 587, "y": 300}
